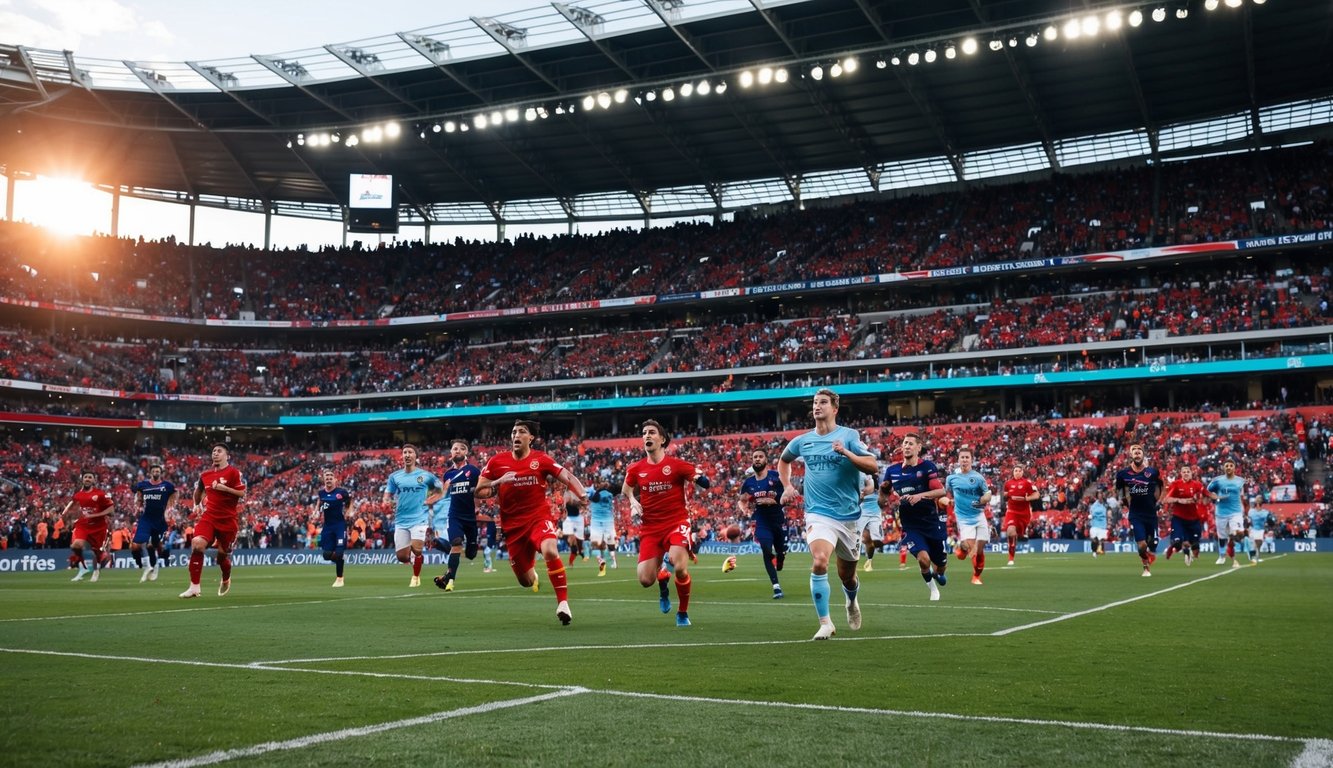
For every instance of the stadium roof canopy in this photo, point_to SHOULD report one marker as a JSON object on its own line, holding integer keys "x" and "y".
{"x": 586, "y": 128}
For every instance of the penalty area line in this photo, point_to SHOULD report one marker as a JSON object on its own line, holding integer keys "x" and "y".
{"x": 350, "y": 733}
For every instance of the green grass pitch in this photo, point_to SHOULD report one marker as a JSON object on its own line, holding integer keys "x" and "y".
{"x": 1063, "y": 660}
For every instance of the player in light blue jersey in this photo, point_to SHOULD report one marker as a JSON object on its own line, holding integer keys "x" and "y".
{"x": 871, "y": 522}
{"x": 970, "y": 495}
{"x": 1258, "y": 524}
{"x": 835, "y": 458}
{"x": 1098, "y": 522}
{"x": 412, "y": 490}
{"x": 1228, "y": 492}
{"x": 602, "y": 523}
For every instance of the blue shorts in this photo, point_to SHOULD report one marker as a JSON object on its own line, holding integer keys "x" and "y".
{"x": 1145, "y": 528}
{"x": 918, "y": 541}
{"x": 333, "y": 538}
{"x": 768, "y": 527}
{"x": 462, "y": 531}
{"x": 147, "y": 529}
{"x": 1186, "y": 530}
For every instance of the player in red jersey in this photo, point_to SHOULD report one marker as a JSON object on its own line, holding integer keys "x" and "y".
{"x": 217, "y": 498}
{"x": 656, "y": 487}
{"x": 1019, "y": 493}
{"x": 519, "y": 478}
{"x": 1182, "y": 496}
{"x": 90, "y": 529}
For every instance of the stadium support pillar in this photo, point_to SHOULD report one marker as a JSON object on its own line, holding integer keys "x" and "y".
{"x": 1171, "y": 398}
{"x": 500, "y": 230}
{"x": 615, "y": 424}
{"x": 1138, "y": 397}
{"x": 115, "y": 211}
{"x": 194, "y": 208}
{"x": 1254, "y": 390}
{"x": 699, "y": 419}
{"x": 9, "y": 198}
{"x": 268, "y": 227}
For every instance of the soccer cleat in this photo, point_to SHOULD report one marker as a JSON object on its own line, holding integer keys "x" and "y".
{"x": 79, "y": 576}
{"x": 562, "y": 612}
{"x": 614, "y": 564}
{"x": 536, "y": 585}
{"x": 1257, "y": 561}
{"x": 664, "y": 603}
{"x": 338, "y": 582}
{"x": 601, "y": 569}
{"x": 585, "y": 558}
{"x": 193, "y": 591}
{"x": 415, "y": 582}
{"x": 449, "y": 585}
{"x": 825, "y": 631}
{"x": 934, "y": 591}
{"x": 940, "y": 578}
{"x": 777, "y": 592}
{"x": 869, "y": 566}
{"x": 1189, "y": 559}
{"x": 143, "y": 576}
{"x": 1221, "y": 560}
{"x": 1009, "y": 564}
{"x": 853, "y": 615}
{"x": 97, "y": 574}
{"x": 1146, "y": 572}
{"x": 152, "y": 572}
{"x": 729, "y": 565}
{"x": 1234, "y": 564}
{"x": 682, "y": 619}
{"x": 224, "y": 587}
{"x": 976, "y": 580}
{"x": 488, "y": 570}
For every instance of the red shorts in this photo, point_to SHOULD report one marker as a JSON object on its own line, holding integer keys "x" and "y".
{"x": 525, "y": 542}
{"x": 215, "y": 533}
{"x": 656, "y": 543}
{"x": 96, "y": 537}
{"x": 1019, "y": 520}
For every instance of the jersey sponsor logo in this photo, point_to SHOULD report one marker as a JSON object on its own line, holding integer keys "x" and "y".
{"x": 666, "y": 470}
{"x": 643, "y": 474}
{"x": 534, "y": 464}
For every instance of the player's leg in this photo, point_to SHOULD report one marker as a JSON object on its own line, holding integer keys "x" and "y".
{"x": 224, "y": 541}
{"x": 547, "y": 542}
{"x": 680, "y": 561}
{"x": 847, "y": 553}
{"x": 402, "y": 549}
{"x": 1011, "y": 533}
{"x": 203, "y": 536}
{"x": 766, "y": 535}
{"x": 1141, "y": 538}
{"x": 522, "y": 559}
{"x": 76, "y": 547}
{"x": 822, "y": 537}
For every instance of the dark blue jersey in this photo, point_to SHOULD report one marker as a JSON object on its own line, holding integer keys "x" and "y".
{"x": 765, "y": 486}
{"x": 925, "y": 516}
{"x": 155, "y": 496}
{"x": 459, "y": 484}
{"x": 333, "y": 505}
{"x": 1141, "y": 487}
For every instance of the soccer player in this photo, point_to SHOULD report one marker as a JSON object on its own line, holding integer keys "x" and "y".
{"x": 1019, "y": 493}
{"x": 571, "y": 525}
{"x": 602, "y": 523}
{"x": 490, "y": 540}
{"x": 871, "y": 522}
{"x": 1183, "y": 496}
{"x": 95, "y": 507}
{"x": 217, "y": 499}
{"x": 331, "y": 506}
{"x": 835, "y": 458}
{"x": 970, "y": 495}
{"x": 761, "y": 499}
{"x": 1140, "y": 489}
{"x": 1098, "y": 523}
{"x": 460, "y": 482}
{"x": 413, "y": 490}
{"x": 656, "y": 485}
{"x": 1258, "y": 522}
{"x": 153, "y": 497}
{"x": 1228, "y": 492}
{"x": 519, "y": 480}
{"x": 916, "y": 483}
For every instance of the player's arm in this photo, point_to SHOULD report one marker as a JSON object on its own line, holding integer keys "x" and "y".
{"x": 490, "y": 491}
{"x": 632, "y": 493}
{"x": 1210, "y": 492}
{"x": 745, "y": 503}
{"x": 983, "y": 501}
{"x": 199, "y": 496}
{"x": 170, "y": 502}
{"x": 574, "y": 484}
{"x": 106, "y": 508}
{"x": 218, "y": 485}
{"x": 789, "y": 493}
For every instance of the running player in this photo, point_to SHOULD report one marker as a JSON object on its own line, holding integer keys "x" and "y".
{"x": 1019, "y": 493}
{"x": 835, "y": 458}
{"x": 153, "y": 497}
{"x": 460, "y": 482}
{"x": 95, "y": 507}
{"x": 490, "y": 541}
{"x": 1258, "y": 523}
{"x": 519, "y": 477}
{"x": 412, "y": 490}
{"x": 1098, "y": 523}
{"x": 1140, "y": 489}
{"x": 656, "y": 484}
{"x": 871, "y": 522}
{"x": 916, "y": 483}
{"x": 602, "y": 523}
{"x": 571, "y": 525}
{"x": 1183, "y": 495}
{"x": 970, "y": 496}
{"x": 217, "y": 499}
{"x": 1228, "y": 492}
{"x": 761, "y": 499}
{"x": 331, "y": 506}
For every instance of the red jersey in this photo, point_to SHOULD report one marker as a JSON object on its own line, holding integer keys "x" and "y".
{"x": 661, "y": 489}
{"x": 90, "y": 502}
{"x": 219, "y": 506}
{"x": 1186, "y": 489}
{"x": 522, "y": 501}
{"x": 1022, "y": 488}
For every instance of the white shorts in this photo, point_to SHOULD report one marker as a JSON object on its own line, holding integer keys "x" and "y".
{"x": 1097, "y": 533}
{"x": 844, "y": 535}
{"x": 1230, "y": 524}
{"x": 603, "y": 533}
{"x": 973, "y": 532}
{"x": 403, "y": 537}
{"x": 1257, "y": 536}
{"x": 873, "y": 525}
{"x": 572, "y": 526}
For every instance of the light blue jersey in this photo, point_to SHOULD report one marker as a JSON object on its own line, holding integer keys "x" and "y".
{"x": 870, "y": 504}
{"x": 409, "y": 490}
{"x": 967, "y": 488}
{"x": 438, "y": 513}
{"x": 1097, "y": 515}
{"x": 832, "y": 481}
{"x": 601, "y": 509}
{"x": 1229, "y": 492}
{"x": 1259, "y": 518}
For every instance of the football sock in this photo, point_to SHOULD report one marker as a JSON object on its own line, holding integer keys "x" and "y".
{"x": 683, "y": 593}
{"x": 417, "y": 560}
{"x": 926, "y": 575}
{"x": 138, "y": 557}
{"x": 453, "y": 566}
{"x": 870, "y": 553}
{"x": 555, "y": 570}
{"x": 224, "y": 563}
{"x": 1013, "y": 547}
{"x": 979, "y": 563}
{"x": 662, "y": 577}
{"x": 851, "y": 593}
{"x": 572, "y": 555}
{"x": 76, "y": 559}
{"x": 488, "y": 556}
{"x": 770, "y": 564}
{"x": 163, "y": 556}
{"x": 1143, "y": 554}
{"x": 819, "y": 592}
{"x": 902, "y": 556}
{"x": 1231, "y": 548}
{"x": 152, "y": 557}
{"x": 598, "y": 553}
{"x": 338, "y": 563}
{"x": 196, "y": 567}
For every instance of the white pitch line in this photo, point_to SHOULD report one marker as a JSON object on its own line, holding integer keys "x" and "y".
{"x": 1108, "y": 606}
{"x": 783, "y": 604}
{"x": 201, "y": 608}
{"x": 349, "y": 733}
{"x": 1318, "y": 753}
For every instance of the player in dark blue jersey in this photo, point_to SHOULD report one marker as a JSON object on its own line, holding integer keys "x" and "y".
{"x": 1140, "y": 489}
{"x": 761, "y": 498}
{"x": 460, "y": 486}
{"x": 331, "y": 505}
{"x": 153, "y": 497}
{"x": 918, "y": 486}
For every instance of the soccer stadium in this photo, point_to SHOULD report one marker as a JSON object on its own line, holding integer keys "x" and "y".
{"x": 726, "y": 382}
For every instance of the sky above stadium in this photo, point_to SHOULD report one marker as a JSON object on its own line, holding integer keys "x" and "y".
{"x": 180, "y": 30}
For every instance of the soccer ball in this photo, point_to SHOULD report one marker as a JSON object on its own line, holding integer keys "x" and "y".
{"x": 733, "y": 532}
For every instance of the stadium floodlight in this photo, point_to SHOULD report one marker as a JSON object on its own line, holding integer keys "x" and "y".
{"x": 353, "y": 140}
{"x": 1260, "y": 2}
{"x": 704, "y": 88}
{"x": 780, "y": 75}
{"x": 436, "y": 128}
{"x": 542, "y": 113}
{"x": 1135, "y": 17}
{"x": 1233, "y": 3}
{"x": 650, "y": 96}
{"x": 835, "y": 70}
{"x": 289, "y": 143}
{"x": 336, "y": 137}
{"x": 850, "y": 64}
{"x": 970, "y": 46}
{"x": 913, "y": 58}
{"x": 817, "y": 72}
{"x": 1032, "y": 40}
{"x": 620, "y": 96}
{"x": 765, "y": 75}
{"x": 930, "y": 55}
{"x": 1159, "y": 15}
{"x": 1210, "y": 5}
{"x": 995, "y": 45}
{"x": 720, "y": 88}
{"x": 1050, "y": 33}
{"x": 686, "y": 90}
{"x": 1072, "y": 29}
{"x": 951, "y": 52}
{"x": 511, "y": 115}
{"x": 392, "y": 130}
{"x": 1092, "y": 25}
{"x": 480, "y": 122}
{"x": 747, "y": 78}
{"x": 895, "y": 61}
{"x": 497, "y": 118}
{"x": 589, "y": 102}
{"x": 450, "y": 126}
{"x": 603, "y": 100}
{"x": 1013, "y": 42}
{"x": 1114, "y": 20}
{"x": 668, "y": 94}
